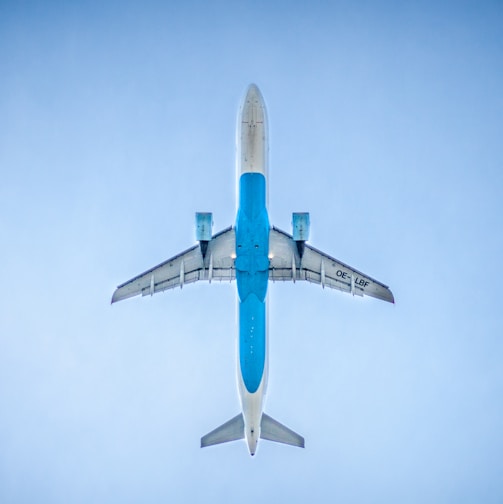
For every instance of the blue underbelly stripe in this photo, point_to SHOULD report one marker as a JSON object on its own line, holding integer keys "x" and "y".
{"x": 252, "y": 276}
{"x": 252, "y": 341}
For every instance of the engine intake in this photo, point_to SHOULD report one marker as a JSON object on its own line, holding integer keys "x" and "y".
{"x": 204, "y": 228}
{"x": 300, "y": 229}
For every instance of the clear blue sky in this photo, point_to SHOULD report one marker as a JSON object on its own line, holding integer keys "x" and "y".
{"x": 117, "y": 124}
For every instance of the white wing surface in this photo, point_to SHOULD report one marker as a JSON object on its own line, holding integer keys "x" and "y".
{"x": 187, "y": 267}
{"x": 286, "y": 264}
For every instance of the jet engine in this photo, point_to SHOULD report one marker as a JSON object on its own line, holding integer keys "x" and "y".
{"x": 204, "y": 227}
{"x": 300, "y": 230}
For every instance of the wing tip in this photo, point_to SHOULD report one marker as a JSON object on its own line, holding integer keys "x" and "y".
{"x": 391, "y": 297}
{"x": 120, "y": 296}
{"x": 115, "y": 297}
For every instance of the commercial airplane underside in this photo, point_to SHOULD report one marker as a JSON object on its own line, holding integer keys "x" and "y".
{"x": 252, "y": 252}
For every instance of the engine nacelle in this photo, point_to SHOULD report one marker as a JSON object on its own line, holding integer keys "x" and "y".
{"x": 204, "y": 226}
{"x": 300, "y": 225}
{"x": 300, "y": 230}
{"x": 204, "y": 229}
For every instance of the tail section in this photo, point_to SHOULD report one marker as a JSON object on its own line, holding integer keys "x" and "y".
{"x": 232, "y": 430}
{"x": 272, "y": 430}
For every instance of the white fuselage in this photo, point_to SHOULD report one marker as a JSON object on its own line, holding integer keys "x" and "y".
{"x": 252, "y": 231}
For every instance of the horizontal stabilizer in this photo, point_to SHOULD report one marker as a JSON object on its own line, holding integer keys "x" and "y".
{"x": 272, "y": 430}
{"x": 232, "y": 430}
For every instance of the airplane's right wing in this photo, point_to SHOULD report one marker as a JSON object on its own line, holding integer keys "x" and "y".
{"x": 286, "y": 264}
{"x": 187, "y": 267}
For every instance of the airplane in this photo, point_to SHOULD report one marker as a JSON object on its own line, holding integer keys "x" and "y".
{"x": 252, "y": 252}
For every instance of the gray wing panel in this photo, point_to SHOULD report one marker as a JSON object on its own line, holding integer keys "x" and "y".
{"x": 184, "y": 268}
{"x": 272, "y": 430}
{"x": 232, "y": 430}
{"x": 317, "y": 267}
{"x": 219, "y": 259}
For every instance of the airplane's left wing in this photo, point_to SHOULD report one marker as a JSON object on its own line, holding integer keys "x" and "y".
{"x": 186, "y": 267}
{"x": 286, "y": 263}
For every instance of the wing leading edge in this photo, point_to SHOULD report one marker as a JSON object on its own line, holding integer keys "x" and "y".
{"x": 286, "y": 264}
{"x": 186, "y": 267}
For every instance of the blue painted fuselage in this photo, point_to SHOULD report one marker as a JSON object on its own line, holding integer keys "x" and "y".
{"x": 252, "y": 275}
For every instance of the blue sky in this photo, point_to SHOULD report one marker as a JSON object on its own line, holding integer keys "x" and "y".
{"x": 117, "y": 123}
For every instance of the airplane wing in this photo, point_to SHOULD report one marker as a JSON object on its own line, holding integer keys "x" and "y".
{"x": 286, "y": 264}
{"x": 187, "y": 267}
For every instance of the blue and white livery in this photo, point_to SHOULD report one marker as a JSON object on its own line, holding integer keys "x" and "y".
{"x": 252, "y": 252}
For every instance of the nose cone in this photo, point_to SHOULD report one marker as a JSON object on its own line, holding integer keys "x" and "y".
{"x": 252, "y": 147}
{"x": 254, "y": 96}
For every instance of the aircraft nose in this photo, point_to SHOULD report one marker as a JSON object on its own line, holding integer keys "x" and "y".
{"x": 251, "y": 138}
{"x": 254, "y": 96}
